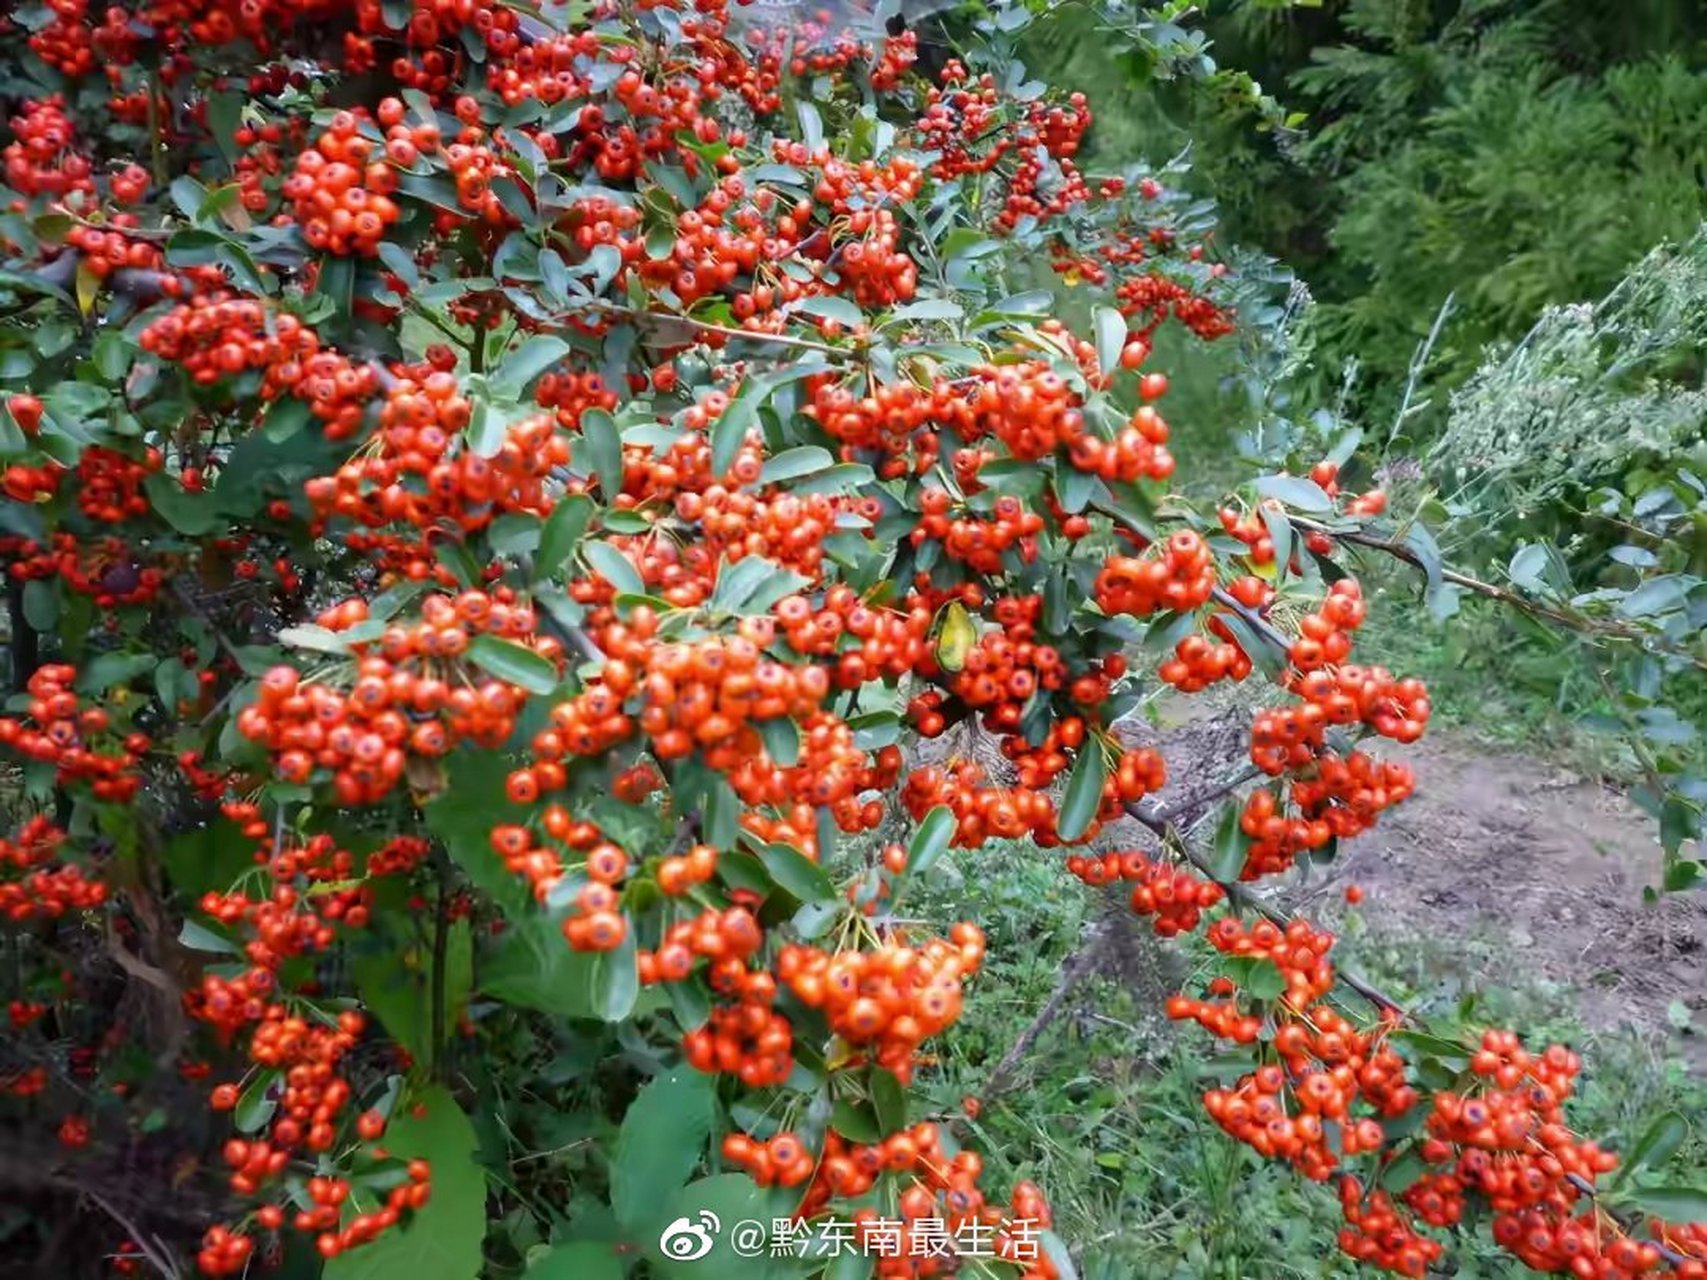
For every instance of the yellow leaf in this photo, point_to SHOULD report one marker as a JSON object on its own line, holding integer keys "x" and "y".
{"x": 956, "y": 639}
{"x": 88, "y": 286}
{"x": 1264, "y": 571}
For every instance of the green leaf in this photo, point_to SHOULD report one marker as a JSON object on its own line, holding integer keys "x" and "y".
{"x": 400, "y": 994}
{"x": 808, "y": 459}
{"x": 781, "y": 737}
{"x": 811, "y": 124}
{"x": 797, "y": 873}
{"x": 585, "y": 1260}
{"x": 737, "y": 582}
{"x": 1673, "y": 1204}
{"x": 1298, "y": 492}
{"x": 513, "y": 663}
{"x": 613, "y": 983}
{"x": 930, "y": 841}
{"x": 191, "y": 514}
{"x": 311, "y": 635}
{"x": 1658, "y": 1143}
{"x": 1527, "y": 566}
{"x": 463, "y": 817}
{"x": 1280, "y": 533}
{"x": 41, "y": 604}
{"x": 1448, "y": 1051}
{"x": 730, "y": 430}
{"x": 113, "y": 669}
{"x": 1227, "y": 859}
{"x": 690, "y": 1001}
{"x": 604, "y": 450}
{"x": 198, "y": 937}
{"x": 254, "y": 1105}
{"x": 730, "y": 1198}
{"x": 1055, "y": 1250}
{"x": 1111, "y": 338}
{"x": 210, "y": 858}
{"x": 1656, "y": 595}
{"x": 614, "y": 567}
{"x": 561, "y": 534}
{"x": 1033, "y": 302}
{"x": 1260, "y": 977}
{"x": 830, "y": 307}
{"x": 663, "y": 1135}
{"x": 1084, "y": 791}
{"x": 889, "y": 1100}
{"x": 844, "y": 477}
{"x": 722, "y": 814}
{"x": 855, "y": 1123}
{"x": 929, "y": 309}
{"x": 1403, "y": 1172}
{"x": 526, "y": 363}
{"x": 442, "y": 1240}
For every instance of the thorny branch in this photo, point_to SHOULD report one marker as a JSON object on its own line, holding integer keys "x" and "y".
{"x": 1569, "y": 619}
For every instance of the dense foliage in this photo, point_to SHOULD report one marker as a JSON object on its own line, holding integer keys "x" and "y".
{"x": 500, "y": 500}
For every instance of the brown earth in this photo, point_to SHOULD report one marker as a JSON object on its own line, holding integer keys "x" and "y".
{"x": 1547, "y": 870}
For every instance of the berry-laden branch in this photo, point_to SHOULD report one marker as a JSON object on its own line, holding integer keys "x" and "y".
{"x": 590, "y": 642}
{"x": 1570, "y": 619}
{"x": 1157, "y": 821}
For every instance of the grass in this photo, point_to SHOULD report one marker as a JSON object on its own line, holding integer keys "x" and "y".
{"x": 1107, "y": 1117}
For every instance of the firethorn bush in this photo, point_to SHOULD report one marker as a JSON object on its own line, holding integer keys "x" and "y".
{"x": 497, "y": 498}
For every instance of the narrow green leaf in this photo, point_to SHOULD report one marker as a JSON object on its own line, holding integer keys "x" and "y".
{"x": 604, "y": 451}
{"x": 255, "y": 1105}
{"x": 511, "y": 662}
{"x": 1658, "y": 1143}
{"x": 527, "y": 362}
{"x": 1673, "y": 1204}
{"x": 1298, "y": 492}
{"x": 889, "y": 1100}
{"x": 1227, "y": 859}
{"x": 1084, "y": 791}
{"x": 581, "y": 1260}
{"x": 614, "y": 981}
{"x": 930, "y": 841}
{"x": 561, "y": 534}
{"x": 808, "y": 459}
{"x": 1111, "y": 338}
{"x": 781, "y": 737}
{"x": 737, "y": 582}
{"x": 614, "y": 567}
{"x": 797, "y": 873}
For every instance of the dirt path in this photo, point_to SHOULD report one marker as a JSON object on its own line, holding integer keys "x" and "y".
{"x": 1549, "y": 871}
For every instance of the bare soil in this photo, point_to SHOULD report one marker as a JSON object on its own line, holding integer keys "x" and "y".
{"x": 1549, "y": 870}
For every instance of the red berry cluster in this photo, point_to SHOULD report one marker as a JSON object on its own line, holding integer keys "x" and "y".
{"x": 1171, "y": 894}
{"x": 34, "y": 889}
{"x": 1180, "y": 577}
{"x": 342, "y": 198}
{"x": 889, "y": 999}
{"x": 1200, "y": 661}
{"x": 41, "y": 160}
{"x": 396, "y": 705}
{"x": 80, "y": 744}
